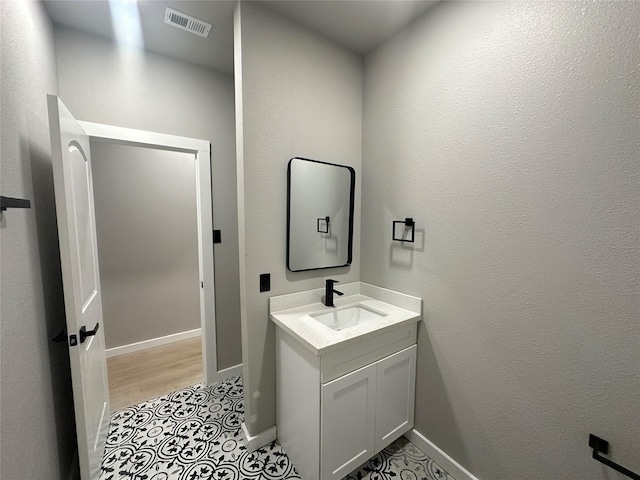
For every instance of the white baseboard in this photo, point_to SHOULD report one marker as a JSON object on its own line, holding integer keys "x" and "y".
{"x": 439, "y": 456}
{"x": 224, "y": 374}
{"x": 153, "y": 342}
{"x": 260, "y": 440}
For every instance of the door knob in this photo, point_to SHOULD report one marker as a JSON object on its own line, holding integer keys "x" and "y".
{"x": 84, "y": 333}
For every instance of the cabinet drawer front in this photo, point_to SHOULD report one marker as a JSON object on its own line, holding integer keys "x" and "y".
{"x": 395, "y": 396}
{"x": 348, "y": 422}
{"x": 369, "y": 350}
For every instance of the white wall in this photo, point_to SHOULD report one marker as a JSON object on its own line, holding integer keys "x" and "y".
{"x": 156, "y": 93}
{"x": 147, "y": 235}
{"x": 297, "y": 95}
{"x": 509, "y": 131}
{"x": 37, "y": 429}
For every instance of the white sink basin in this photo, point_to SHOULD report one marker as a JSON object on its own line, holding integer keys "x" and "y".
{"x": 347, "y": 316}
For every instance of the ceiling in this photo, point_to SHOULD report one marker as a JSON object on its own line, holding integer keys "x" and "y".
{"x": 359, "y": 25}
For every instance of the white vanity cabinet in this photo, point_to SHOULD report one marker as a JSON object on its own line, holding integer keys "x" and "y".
{"x": 347, "y": 422}
{"x": 395, "y": 396}
{"x": 364, "y": 411}
{"x": 345, "y": 375}
{"x": 336, "y": 410}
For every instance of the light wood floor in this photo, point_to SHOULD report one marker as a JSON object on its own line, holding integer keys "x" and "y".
{"x": 139, "y": 376}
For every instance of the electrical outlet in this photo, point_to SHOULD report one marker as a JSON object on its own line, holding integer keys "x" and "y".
{"x": 265, "y": 282}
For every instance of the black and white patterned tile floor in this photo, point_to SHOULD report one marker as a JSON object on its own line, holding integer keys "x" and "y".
{"x": 195, "y": 434}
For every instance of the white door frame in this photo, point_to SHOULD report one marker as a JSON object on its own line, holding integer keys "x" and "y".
{"x": 201, "y": 149}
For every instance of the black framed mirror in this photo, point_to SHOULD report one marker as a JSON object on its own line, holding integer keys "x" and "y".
{"x": 320, "y": 205}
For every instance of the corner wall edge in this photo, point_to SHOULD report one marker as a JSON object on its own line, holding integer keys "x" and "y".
{"x": 439, "y": 456}
{"x": 260, "y": 440}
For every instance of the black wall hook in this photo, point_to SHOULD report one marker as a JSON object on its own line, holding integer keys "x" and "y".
{"x": 9, "y": 202}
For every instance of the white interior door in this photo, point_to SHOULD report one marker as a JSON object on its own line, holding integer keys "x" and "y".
{"x": 79, "y": 258}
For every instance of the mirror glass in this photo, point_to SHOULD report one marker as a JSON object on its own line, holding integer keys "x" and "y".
{"x": 320, "y": 199}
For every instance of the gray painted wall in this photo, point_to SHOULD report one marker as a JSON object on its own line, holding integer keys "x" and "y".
{"x": 147, "y": 241}
{"x": 509, "y": 131}
{"x": 155, "y": 93}
{"x": 37, "y": 429}
{"x": 297, "y": 95}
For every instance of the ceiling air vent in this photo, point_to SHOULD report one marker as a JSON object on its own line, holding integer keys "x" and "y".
{"x": 185, "y": 22}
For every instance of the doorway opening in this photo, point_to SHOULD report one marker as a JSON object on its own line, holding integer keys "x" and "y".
{"x": 153, "y": 213}
{"x": 139, "y": 376}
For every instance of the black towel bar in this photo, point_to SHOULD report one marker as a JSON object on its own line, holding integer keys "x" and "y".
{"x": 600, "y": 445}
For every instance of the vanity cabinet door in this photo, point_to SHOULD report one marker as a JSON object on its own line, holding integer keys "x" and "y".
{"x": 395, "y": 396}
{"x": 348, "y": 422}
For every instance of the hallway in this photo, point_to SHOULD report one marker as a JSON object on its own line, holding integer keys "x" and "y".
{"x": 139, "y": 376}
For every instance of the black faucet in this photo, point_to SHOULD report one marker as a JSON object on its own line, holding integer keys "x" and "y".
{"x": 329, "y": 291}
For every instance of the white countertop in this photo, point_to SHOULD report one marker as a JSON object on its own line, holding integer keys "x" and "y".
{"x": 321, "y": 339}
